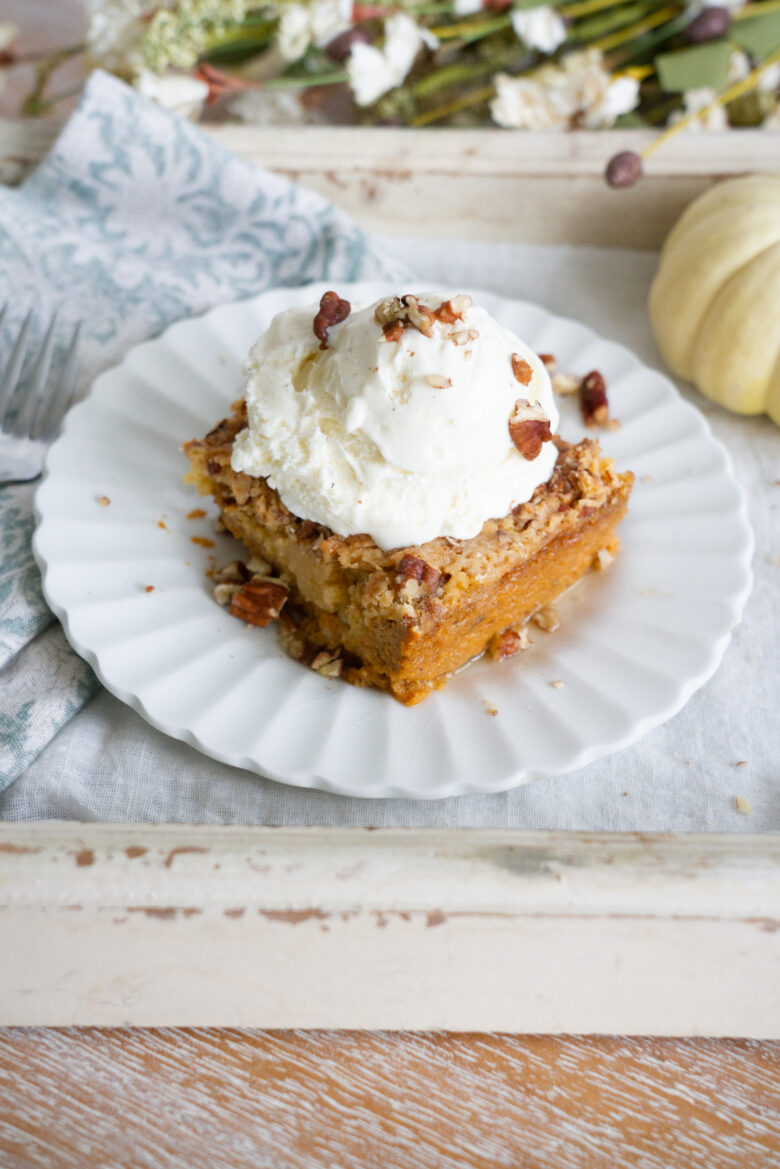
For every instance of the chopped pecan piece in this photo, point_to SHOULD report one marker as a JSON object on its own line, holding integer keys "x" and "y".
{"x": 234, "y": 573}
{"x": 564, "y": 384}
{"x": 593, "y": 399}
{"x": 259, "y": 601}
{"x": 414, "y": 568}
{"x": 406, "y": 311}
{"x": 548, "y": 359}
{"x": 392, "y": 331}
{"x": 529, "y": 427}
{"x": 225, "y": 591}
{"x": 452, "y": 310}
{"x": 333, "y": 310}
{"x": 547, "y": 618}
{"x": 508, "y": 643}
{"x": 328, "y": 664}
{"x": 521, "y": 369}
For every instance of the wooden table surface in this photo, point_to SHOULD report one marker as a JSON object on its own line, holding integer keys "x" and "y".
{"x": 186, "y": 1099}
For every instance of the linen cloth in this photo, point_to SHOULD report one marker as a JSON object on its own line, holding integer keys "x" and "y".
{"x": 107, "y": 764}
{"x": 135, "y": 220}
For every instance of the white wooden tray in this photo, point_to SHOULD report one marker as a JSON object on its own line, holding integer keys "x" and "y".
{"x": 321, "y": 927}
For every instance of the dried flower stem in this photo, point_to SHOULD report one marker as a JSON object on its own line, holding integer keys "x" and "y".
{"x": 477, "y": 97}
{"x": 471, "y": 30}
{"x": 586, "y": 7}
{"x": 307, "y": 81}
{"x": 634, "y": 30}
{"x": 756, "y": 10}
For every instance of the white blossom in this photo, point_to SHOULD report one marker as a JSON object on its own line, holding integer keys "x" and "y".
{"x": 467, "y": 7}
{"x": 115, "y": 29}
{"x": 176, "y": 92}
{"x": 301, "y": 25}
{"x": 539, "y": 28}
{"x": 551, "y": 97}
{"x": 740, "y": 67}
{"x": 695, "y": 100}
{"x": 8, "y": 34}
{"x": 600, "y": 98}
{"x": 526, "y": 103}
{"x": 373, "y": 71}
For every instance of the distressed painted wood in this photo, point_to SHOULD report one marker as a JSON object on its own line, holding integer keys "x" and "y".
{"x": 327, "y": 1100}
{"x": 476, "y": 184}
{"x": 467, "y": 930}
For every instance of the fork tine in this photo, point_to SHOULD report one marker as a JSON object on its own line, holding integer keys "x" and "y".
{"x": 34, "y": 388}
{"x": 13, "y": 369}
{"x": 49, "y": 418}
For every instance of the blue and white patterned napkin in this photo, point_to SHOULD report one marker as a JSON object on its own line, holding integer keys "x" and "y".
{"x": 135, "y": 220}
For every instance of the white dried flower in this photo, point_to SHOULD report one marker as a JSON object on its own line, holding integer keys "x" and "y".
{"x": 539, "y": 28}
{"x": 8, "y": 34}
{"x": 769, "y": 81}
{"x": 176, "y": 92}
{"x": 526, "y": 103}
{"x": 695, "y": 100}
{"x": 550, "y": 97}
{"x": 374, "y": 71}
{"x": 301, "y": 25}
{"x": 739, "y": 67}
{"x": 599, "y": 97}
{"x": 114, "y": 30}
{"x": 293, "y": 36}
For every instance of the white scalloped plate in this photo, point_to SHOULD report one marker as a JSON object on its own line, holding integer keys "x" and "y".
{"x": 635, "y": 641}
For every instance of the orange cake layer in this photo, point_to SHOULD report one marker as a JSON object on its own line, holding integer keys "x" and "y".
{"x": 403, "y": 620}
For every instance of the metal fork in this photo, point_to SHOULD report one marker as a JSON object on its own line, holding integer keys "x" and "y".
{"x": 32, "y": 408}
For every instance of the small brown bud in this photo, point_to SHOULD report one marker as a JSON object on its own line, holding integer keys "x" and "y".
{"x": 340, "y": 47}
{"x": 623, "y": 169}
{"x": 710, "y": 25}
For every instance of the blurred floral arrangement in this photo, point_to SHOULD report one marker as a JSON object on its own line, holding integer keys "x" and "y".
{"x": 567, "y": 64}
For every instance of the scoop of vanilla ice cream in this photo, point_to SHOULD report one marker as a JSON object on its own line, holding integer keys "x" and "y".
{"x": 406, "y": 439}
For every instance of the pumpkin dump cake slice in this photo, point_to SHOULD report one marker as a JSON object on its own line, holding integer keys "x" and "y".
{"x": 395, "y": 478}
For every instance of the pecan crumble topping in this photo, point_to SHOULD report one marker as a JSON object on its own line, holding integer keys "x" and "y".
{"x": 258, "y": 602}
{"x": 521, "y": 369}
{"x": 508, "y": 643}
{"x": 414, "y": 568}
{"x": 593, "y": 399}
{"x": 404, "y": 312}
{"x": 450, "y": 311}
{"x": 333, "y": 310}
{"x": 529, "y": 427}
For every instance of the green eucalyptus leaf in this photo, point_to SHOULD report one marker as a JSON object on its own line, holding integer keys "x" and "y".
{"x": 757, "y": 35}
{"x": 699, "y": 67}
